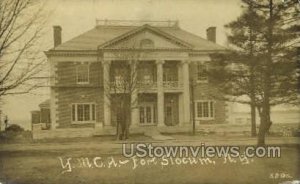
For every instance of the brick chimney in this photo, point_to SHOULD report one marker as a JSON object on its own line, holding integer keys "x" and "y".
{"x": 211, "y": 34}
{"x": 57, "y": 35}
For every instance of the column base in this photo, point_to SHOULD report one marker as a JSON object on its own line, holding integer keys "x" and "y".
{"x": 134, "y": 126}
{"x": 184, "y": 124}
{"x": 161, "y": 125}
{"x": 98, "y": 125}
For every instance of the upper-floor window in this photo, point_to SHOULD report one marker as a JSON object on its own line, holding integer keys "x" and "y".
{"x": 205, "y": 109}
{"x": 170, "y": 73}
{"x": 202, "y": 75}
{"x": 83, "y": 112}
{"x": 146, "y": 44}
{"x": 82, "y": 74}
{"x": 120, "y": 76}
{"x": 146, "y": 74}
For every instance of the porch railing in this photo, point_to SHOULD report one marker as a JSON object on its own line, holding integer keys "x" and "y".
{"x": 147, "y": 84}
{"x": 171, "y": 84}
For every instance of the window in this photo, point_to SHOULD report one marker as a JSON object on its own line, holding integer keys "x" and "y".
{"x": 170, "y": 73}
{"x": 83, "y": 74}
{"x": 146, "y": 74}
{"x": 147, "y": 44}
{"x": 83, "y": 113}
{"x": 202, "y": 69}
{"x": 120, "y": 75}
{"x": 204, "y": 109}
{"x": 119, "y": 80}
{"x": 146, "y": 114}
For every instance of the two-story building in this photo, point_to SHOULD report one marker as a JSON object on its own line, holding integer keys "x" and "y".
{"x": 169, "y": 60}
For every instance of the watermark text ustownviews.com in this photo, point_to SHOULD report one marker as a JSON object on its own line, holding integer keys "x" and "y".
{"x": 148, "y": 150}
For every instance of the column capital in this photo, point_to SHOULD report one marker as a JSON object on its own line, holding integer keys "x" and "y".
{"x": 160, "y": 61}
{"x": 185, "y": 61}
{"x": 106, "y": 62}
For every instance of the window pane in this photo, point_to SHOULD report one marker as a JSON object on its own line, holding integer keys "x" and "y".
{"x": 202, "y": 72}
{"x": 141, "y": 114}
{"x": 80, "y": 112}
{"x": 73, "y": 113}
{"x": 154, "y": 114}
{"x": 86, "y": 112}
{"x": 82, "y": 73}
{"x": 205, "y": 109}
{"x": 199, "y": 110}
{"x": 93, "y": 112}
{"x": 148, "y": 113}
{"x": 211, "y": 109}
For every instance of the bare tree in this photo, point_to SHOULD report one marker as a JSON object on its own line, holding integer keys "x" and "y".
{"x": 21, "y": 25}
{"x": 122, "y": 90}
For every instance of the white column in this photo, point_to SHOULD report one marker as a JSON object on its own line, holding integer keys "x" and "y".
{"x": 180, "y": 96}
{"x": 106, "y": 84}
{"x": 134, "y": 96}
{"x": 160, "y": 93}
{"x": 186, "y": 91}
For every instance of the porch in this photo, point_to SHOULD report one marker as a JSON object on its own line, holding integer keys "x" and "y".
{"x": 145, "y": 113}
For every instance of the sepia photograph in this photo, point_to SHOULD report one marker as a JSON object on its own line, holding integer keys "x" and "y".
{"x": 149, "y": 91}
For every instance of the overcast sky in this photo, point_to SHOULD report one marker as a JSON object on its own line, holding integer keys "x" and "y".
{"x": 78, "y": 16}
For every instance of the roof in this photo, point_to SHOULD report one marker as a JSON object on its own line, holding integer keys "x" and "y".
{"x": 100, "y": 35}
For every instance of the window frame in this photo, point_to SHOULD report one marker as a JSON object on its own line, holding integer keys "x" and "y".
{"x": 88, "y": 73}
{"x": 209, "y": 109}
{"x": 205, "y": 80}
{"x": 147, "y": 44}
{"x": 92, "y": 113}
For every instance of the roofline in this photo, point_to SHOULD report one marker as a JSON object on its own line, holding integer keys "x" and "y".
{"x": 146, "y": 26}
{"x": 97, "y": 52}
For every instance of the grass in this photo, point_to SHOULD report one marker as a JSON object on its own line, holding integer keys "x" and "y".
{"x": 44, "y": 168}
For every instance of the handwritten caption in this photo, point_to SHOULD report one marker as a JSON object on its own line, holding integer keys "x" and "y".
{"x": 68, "y": 164}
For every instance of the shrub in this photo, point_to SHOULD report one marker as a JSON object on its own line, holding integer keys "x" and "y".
{"x": 14, "y": 128}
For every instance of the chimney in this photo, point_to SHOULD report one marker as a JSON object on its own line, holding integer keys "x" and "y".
{"x": 57, "y": 35}
{"x": 211, "y": 34}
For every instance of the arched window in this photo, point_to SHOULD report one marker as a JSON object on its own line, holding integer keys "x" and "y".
{"x": 146, "y": 44}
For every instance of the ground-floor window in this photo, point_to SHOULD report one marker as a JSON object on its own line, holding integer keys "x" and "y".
{"x": 204, "y": 109}
{"x": 83, "y": 112}
{"x": 147, "y": 113}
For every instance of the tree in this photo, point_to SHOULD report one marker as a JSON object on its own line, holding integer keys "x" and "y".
{"x": 21, "y": 25}
{"x": 122, "y": 90}
{"x": 264, "y": 58}
{"x": 239, "y": 69}
{"x": 278, "y": 67}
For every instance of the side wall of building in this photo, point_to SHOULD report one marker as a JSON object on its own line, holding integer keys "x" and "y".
{"x": 68, "y": 92}
{"x": 206, "y": 91}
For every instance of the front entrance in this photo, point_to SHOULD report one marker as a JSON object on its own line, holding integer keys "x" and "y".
{"x": 147, "y": 114}
{"x": 171, "y": 109}
{"x": 169, "y": 114}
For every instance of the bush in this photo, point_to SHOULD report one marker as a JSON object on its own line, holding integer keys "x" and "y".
{"x": 14, "y": 128}
{"x": 15, "y": 136}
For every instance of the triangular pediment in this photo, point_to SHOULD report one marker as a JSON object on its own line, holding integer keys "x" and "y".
{"x": 146, "y": 37}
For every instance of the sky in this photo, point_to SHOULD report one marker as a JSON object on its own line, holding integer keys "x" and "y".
{"x": 78, "y": 16}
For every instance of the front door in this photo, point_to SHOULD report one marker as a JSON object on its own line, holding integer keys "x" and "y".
{"x": 169, "y": 114}
{"x": 146, "y": 114}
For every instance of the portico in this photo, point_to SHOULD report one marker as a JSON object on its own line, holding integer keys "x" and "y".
{"x": 161, "y": 97}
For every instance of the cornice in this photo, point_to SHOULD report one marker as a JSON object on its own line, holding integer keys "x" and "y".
{"x": 71, "y": 53}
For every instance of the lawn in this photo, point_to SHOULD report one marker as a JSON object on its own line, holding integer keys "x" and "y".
{"x": 45, "y": 167}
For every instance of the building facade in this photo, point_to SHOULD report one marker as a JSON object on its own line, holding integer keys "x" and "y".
{"x": 161, "y": 63}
